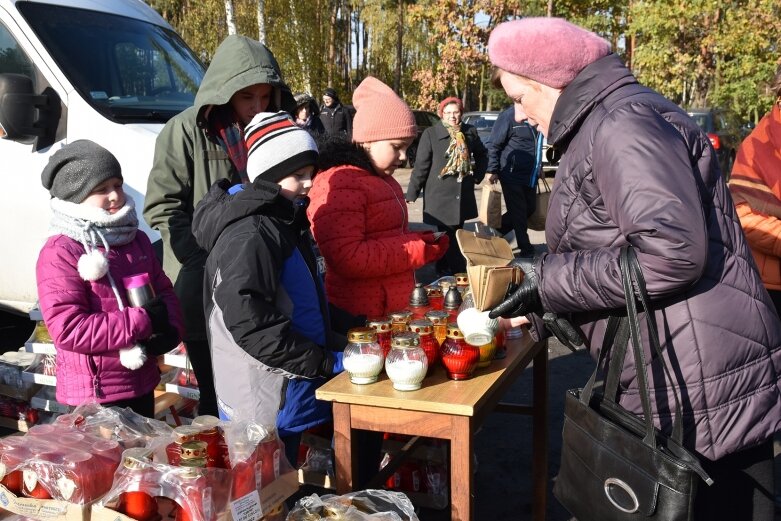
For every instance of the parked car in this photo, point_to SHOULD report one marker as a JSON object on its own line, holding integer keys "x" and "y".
{"x": 484, "y": 121}
{"x": 723, "y": 130}
{"x": 424, "y": 120}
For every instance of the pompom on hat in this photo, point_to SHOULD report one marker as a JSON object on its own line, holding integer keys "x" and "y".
{"x": 77, "y": 168}
{"x": 277, "y": 147}
{"x": 551, "y": 51}
{"x": 380, "y": 114}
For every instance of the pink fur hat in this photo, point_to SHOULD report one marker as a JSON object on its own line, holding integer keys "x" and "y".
{"x": 551, "y": 51}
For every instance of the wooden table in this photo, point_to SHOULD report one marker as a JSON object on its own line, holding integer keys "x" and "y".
{"x": 448, "y": 410}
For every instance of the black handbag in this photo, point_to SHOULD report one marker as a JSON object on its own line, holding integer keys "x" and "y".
{"x": 614, "y": 464}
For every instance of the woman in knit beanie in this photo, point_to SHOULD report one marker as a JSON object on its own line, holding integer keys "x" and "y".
{"x": 637, "y": 172}
{"x": 358, "y": 214}
{"x": 445, "y": 174}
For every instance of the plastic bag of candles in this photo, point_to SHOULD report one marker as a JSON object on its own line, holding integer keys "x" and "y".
{"x": 120, "y": 424}
{"x": 198, "y": 493}
{"x": 359, "y": 506}
{"x": 257, "y": 475}
{"x": 57, "y": 462}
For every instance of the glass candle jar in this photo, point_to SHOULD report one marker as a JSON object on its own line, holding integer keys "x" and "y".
{"x": 77, "y": 481}
{"x": 425, "y": 330}
{"x": 136, "y": 503}
{"x": 400, "y": 320}
{"x": 452, "y": 302}
{"x": 362, "y": 357}
{"x": 462, "y": 282}
{"x": 216, "y": 447}
{"x": 13, "y": 452}
{"x": 439, "y": 319}
{"x": 436, "y": 298}
{"x": 381, "y": 326}
{"x": 418, "y": 302}
{"x": 193, "y": 484}
{"x": 406, "y": 364}
{"x": 182, "y": 434}
{"x": 268, "y": 454}
{"x": 501, "y": 348}
{"x": 459, "y": 358}
{"x": 487, "y": 352}
{"x": 108, "y": 455}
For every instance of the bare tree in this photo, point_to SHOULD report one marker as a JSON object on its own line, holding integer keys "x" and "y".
{"x": 230, "y": 20}
{"x": 262, "y": 21}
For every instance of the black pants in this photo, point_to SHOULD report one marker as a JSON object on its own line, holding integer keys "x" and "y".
{"x": 143, "y": 405}
{"x": 453, "y": 261}
{"x": 743, "y": 487}
{"x": 200, "y": 359}
{"x": 521, "y": 201}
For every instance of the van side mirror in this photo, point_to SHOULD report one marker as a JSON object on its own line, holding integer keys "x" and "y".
{"x": 27, "y": 117}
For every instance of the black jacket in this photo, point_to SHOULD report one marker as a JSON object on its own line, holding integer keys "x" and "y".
{"x": 445, "y": 200}
{"x": 336, "y": 120}
{"x": 512, "y": 149}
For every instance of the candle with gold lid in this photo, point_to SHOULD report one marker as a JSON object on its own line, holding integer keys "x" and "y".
{"x": 399, "y": 320}
{"x": 363, "y": 358}
{"x": 459, "y": 358}
{"x": 406, "y": 364}
{"x": 382, "y": 326}
{"x": 436, "y": 298}
{"x": 439, "y": 319}
{"x": 425, "y": 330}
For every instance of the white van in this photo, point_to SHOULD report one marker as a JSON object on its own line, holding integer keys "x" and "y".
{"x": 112, "y": 71}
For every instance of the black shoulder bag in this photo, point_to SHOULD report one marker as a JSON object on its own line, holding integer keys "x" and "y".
{"x": 614, "y": 464}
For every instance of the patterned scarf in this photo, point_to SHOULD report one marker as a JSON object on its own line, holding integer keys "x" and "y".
{"x": 224, "y": 124}
{"x": 457, "y": 153}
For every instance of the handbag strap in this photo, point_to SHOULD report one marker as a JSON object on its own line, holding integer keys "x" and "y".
{"x": 636, "y": 273}
{"x": 616, "y": 333}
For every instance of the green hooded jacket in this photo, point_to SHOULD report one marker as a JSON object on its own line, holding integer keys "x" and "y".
{"x": 188, "y": 161}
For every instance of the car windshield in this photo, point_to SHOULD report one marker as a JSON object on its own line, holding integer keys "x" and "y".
{"x": 127, "y": 69}
{"x": 702, "y": 120}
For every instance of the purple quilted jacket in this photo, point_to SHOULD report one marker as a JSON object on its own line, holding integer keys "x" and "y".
{"x": 87, "y": 326}
{"x": 637, "y": 170}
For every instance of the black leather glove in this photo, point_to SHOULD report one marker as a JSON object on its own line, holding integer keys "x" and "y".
{"x": 563, "y": 330}
{"x": 161, "y": 343}
{"x": 526, "y": 298}
{"x": 158, "y": 314}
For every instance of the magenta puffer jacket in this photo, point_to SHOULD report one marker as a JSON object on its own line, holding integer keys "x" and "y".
{"x": 86, "y": 325}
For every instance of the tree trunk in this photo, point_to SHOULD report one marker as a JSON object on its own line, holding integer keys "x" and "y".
{"x": 399, "y": 35}
{"x": 229, "y": 18}
{"x": 550, "y": 8}
{"x": 262, "y": 21}
{"x": 332, "y": 43}
{"x": 302, "y": 62}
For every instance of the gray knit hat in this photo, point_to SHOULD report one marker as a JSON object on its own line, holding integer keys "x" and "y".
{"x": 77, "y": 168}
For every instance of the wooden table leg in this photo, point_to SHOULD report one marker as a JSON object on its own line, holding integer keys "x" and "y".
{"x": 540, "y": 435}
{"x": 343, "y": 448}
{"x": 461, "y": 478}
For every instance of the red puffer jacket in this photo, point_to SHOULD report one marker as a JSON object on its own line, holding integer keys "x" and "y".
{"x": 359, "y": 221}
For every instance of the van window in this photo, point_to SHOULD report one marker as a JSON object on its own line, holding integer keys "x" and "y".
{"x": 127, "y": 69}
{"x": 12, "y": 58}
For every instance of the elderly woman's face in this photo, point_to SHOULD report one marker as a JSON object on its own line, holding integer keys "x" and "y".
{"x": 452, "y": 114}
{"x": 533, "y": 101}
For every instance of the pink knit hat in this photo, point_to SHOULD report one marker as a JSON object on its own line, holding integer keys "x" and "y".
{"x": 447, "y": 101}
{"x": 380, "y": 114}
{"x": 551, "y": 51}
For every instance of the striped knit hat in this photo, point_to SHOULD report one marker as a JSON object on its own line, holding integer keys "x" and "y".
{"x": 277, "y": 147}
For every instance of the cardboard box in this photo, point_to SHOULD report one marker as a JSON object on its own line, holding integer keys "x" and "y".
{"x": 43, "y": 509}
{"x": 486, "y": 264}
{"x": 10, "y": 423}
{"x": 45, "y": 400}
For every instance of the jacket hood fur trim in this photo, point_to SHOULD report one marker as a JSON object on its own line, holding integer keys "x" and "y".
{"x": 337, "y": 151}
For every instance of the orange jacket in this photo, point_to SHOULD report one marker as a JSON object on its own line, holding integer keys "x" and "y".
{"x": 755, "y": 184}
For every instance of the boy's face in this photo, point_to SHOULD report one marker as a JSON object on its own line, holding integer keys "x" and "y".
{"x": 249, "y": 101}
{"x": 108, "y": 195}
{"x": 297, "y": 184}
{"x": 388, "y": 155}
